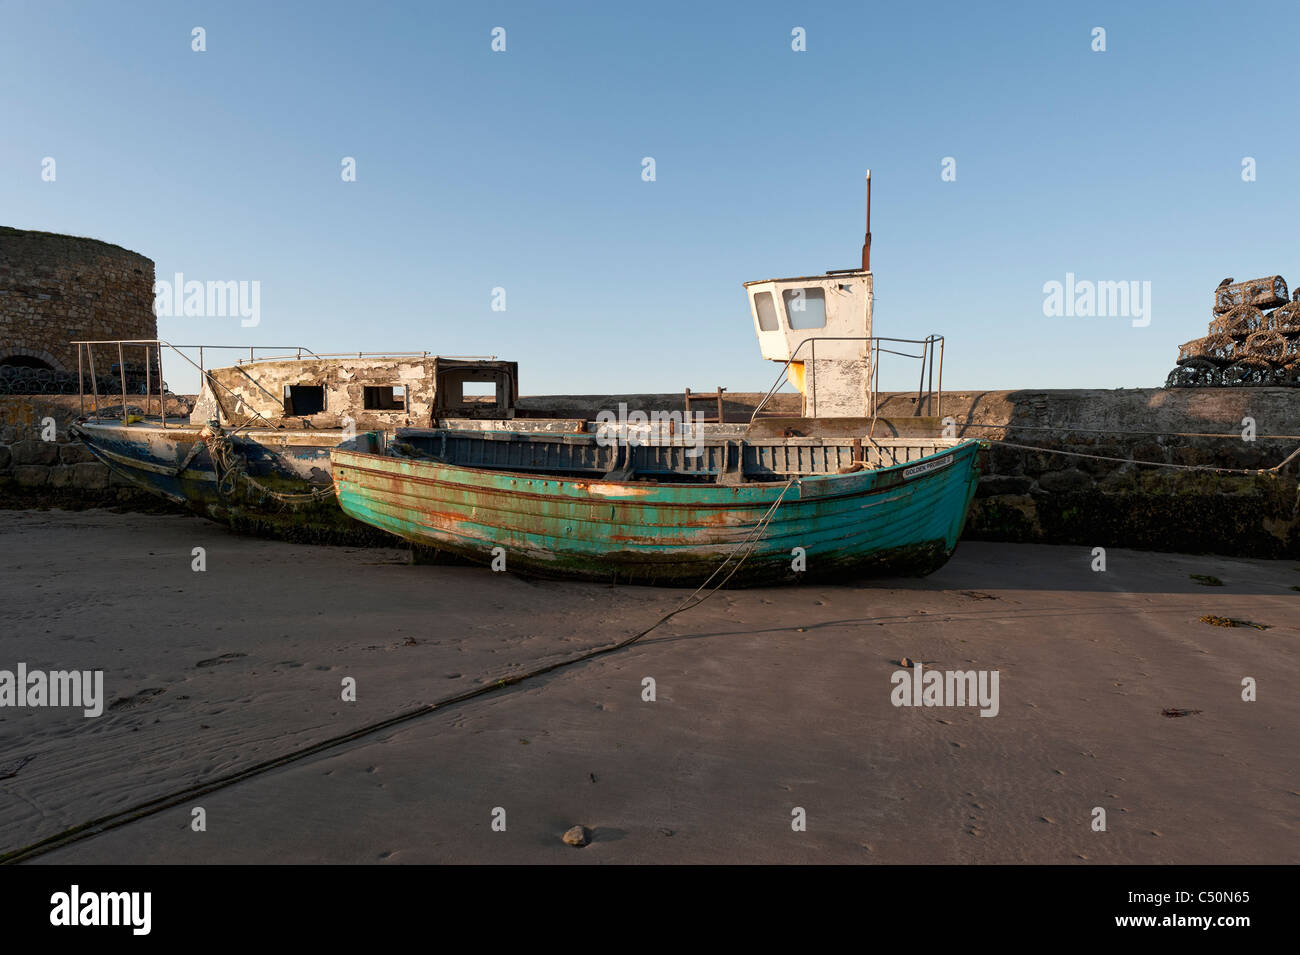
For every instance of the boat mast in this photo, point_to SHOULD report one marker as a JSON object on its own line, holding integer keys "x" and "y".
{"x": 866, "y": 242}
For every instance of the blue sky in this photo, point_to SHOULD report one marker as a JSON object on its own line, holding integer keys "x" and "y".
{"x": 522, "y": 170}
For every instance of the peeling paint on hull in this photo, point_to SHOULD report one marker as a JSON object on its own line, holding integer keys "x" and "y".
{"x": 879, "y": 521}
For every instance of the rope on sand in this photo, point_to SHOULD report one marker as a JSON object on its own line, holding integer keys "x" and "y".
{"x": 151, "y": 807}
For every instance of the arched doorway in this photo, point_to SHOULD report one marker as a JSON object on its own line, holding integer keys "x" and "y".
{"x": 24, "y": 361}
{"x": 28, "y": 371}
{"x": 30, "y": 358}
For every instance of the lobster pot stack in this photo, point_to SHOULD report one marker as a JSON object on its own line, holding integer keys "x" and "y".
{"x": 23, "y": 380}
{"x": 1254, "y": 339}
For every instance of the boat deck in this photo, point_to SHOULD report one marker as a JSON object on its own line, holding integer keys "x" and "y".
{"x": 710, "y": 458}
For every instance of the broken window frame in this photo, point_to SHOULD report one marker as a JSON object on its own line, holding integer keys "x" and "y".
{"x": 291, "y": 406}
{"x": 368, "y": 389}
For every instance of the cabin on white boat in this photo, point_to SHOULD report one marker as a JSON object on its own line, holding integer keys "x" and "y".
{"x": 820, "y": 326}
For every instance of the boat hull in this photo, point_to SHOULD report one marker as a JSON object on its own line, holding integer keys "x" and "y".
{"x": 904, "y": 519}
{"x": 176, "y": 463}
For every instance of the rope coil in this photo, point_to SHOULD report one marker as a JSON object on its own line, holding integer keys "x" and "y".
{"x": 231, "y": 467}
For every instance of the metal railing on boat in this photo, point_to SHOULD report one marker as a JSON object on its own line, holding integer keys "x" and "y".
{"x": 365, "y": 354}
{"x": 929, "y": 346}
{"x": 153, "y": 367}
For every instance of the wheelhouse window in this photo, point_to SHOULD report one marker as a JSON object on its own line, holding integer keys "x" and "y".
{"x": 805, "y": 307}
{"x": 478, "y": 392}
{"x": 765, "y": 309}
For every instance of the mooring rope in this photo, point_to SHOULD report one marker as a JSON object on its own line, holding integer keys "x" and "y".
{"x": 151, "y": 807}
{"x": 1152, "y": 464}
{"x": 231, "y": 469}
{"x": 1066, "y": 429}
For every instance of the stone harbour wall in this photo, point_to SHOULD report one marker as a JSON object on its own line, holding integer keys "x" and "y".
{"x": 1034, "y": 494}
{"x": 61, "y": 472}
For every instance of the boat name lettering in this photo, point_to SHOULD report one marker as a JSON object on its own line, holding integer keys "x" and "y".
{"x": 927, "y": 467}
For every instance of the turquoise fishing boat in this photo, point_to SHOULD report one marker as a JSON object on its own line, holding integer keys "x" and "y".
{"x": 569, "y": 506}
{"x": 659, "y": 497}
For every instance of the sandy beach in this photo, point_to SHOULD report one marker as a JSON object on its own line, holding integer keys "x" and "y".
{"x": 766, "y": 701}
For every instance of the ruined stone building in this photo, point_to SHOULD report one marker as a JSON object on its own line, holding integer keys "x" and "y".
{"x": 55, "y": 289}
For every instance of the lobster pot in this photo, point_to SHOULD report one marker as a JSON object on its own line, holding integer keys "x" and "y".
{"x": 1218, "y": 349}
{"x": 1239, "y": 321}
{"x": 1263, "y": 292}
{"x": 1193, "y": 349}
{"x": 1286, "y": 319}
{"x": 1195, "y": 373}
{"x": 1268, "y": 345}
{"x": 1250, "y": 371}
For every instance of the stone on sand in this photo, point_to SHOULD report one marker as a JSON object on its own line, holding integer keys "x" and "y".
{"x": 578, "y": 836}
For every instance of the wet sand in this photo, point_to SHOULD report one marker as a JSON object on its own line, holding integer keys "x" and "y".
{"x": 767, "y": 700}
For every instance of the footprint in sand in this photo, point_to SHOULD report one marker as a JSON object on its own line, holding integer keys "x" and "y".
{"x": 221, "y": 659}
{"x": 130, "y": 702}
{"x": 12, "y": 767}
